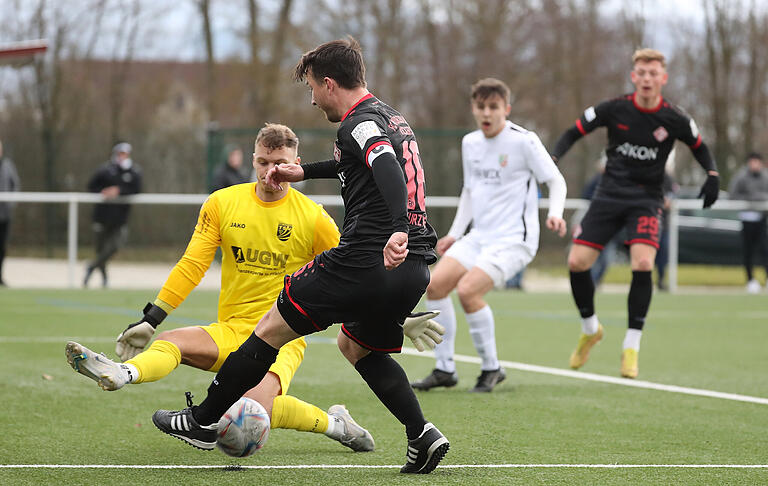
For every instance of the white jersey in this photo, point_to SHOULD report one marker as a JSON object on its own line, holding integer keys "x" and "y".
{"x": 501, "y": 176}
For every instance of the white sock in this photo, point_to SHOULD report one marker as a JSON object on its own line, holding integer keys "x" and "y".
{"x": 483, "y": 332}
{"x": 133, "y": 373}
{"x": 335, "y": 427}
{"x": 632, "y": 339}
{"x": 589, "y": 324}
{"x": 447, "y": 318}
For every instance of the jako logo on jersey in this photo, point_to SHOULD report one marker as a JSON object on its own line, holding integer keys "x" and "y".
{"x": 660, "y": 134}
{"x": 260, "y": 256}
{"x": 237, "y": 225}
{"x": 503, "y": 160}
{"x": 637, "y": 151}
{"x": 284, "y": 231}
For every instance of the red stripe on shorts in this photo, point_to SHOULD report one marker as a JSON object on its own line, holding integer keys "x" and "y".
{"x": 642, "y": 240}
{"x": 297, "y": 306}
{"x": 588, "y": 243}
{"x": 367, "y": 346}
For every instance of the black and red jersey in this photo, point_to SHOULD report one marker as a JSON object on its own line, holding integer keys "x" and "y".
{"x": 639, "y": 141}
{"x": 368, "y": 129}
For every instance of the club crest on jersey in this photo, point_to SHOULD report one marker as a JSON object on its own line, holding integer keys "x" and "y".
{"x": 503, "y": 160}
{"x": 238, "y": 252}
{"x": 284, "y": 231}
{"x": 660, "y": 134}
{"x": 336, "y": 153}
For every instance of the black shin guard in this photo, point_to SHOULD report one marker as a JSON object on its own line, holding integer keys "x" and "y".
{"x": 583, "y": 290}
{"x": 639, "y": 299}
{"x": 386, "y": 378}
{"x": 242, "y": 370}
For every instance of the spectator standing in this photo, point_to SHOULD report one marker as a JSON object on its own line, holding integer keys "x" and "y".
{"x": 230, "y": 172}
{"x": 751, "y": 184}
{"x": 119, "y": 176}
{"x": 9, "y": 181}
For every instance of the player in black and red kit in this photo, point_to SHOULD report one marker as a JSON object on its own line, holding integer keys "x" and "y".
{"x": 370, "y": 282}
{"x": 642, "y": 129}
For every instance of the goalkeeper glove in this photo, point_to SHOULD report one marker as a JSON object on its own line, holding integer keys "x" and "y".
{"x": 710, "y": 190}
{"x": 423, "y": 331}
{"x": 135, "y": 337}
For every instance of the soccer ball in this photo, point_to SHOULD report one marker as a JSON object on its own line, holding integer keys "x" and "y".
{"x": 243, "y": 429}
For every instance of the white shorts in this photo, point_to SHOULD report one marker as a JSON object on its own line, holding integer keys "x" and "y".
{"x": 500, "y": 260}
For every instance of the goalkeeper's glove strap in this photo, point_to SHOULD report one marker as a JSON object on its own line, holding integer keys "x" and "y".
{"x": 154, "y": 315}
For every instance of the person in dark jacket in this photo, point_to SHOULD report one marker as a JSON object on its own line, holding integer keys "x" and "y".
{"x": 231, "y": 171}
{"x": 751, "y": 184}
{"x": 9, "y": 181}
{"x": 120, "y": 176}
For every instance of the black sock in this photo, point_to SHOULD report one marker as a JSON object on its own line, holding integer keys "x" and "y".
{"x": 583, "y": 290}
{"x": 388, "y": 381}
{"x": 639, "y": 299}
{"x": 242, "y": 370}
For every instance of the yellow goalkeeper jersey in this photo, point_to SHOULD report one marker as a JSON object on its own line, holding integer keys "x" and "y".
{"x": 260, "y": 243}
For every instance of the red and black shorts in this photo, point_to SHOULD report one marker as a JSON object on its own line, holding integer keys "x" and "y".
{"x": 372, "y": 303}
{"x": 641, "y": 219}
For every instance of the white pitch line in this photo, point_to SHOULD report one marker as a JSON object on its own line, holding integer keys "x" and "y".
{"x": 392, "y": 466}
{"x": 580, "y": 375}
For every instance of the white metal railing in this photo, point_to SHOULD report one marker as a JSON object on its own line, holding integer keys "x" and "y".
{"x": 73, "y": 199}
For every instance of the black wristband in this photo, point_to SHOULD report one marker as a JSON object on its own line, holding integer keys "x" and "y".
{"x": 153, "y": 314}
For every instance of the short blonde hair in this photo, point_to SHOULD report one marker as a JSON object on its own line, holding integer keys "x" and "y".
{"x": 273, "y": 136}
{"x": 647, "y": 55}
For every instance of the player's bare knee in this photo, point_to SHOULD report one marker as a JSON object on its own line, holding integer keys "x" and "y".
{"x": 350, "y": 349}
{"x": 469, "y": 298}
{"x": 578, "y": 264}
{"x": 437, "y": 291}
{"x": 642, "y": 265}
{"x": 266, "y": 391}
{"x": 166, "y": 335}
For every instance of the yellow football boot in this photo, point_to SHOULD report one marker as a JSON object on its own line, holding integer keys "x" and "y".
{"x": 629, "y": 367}
{"x": 586, "y": 341}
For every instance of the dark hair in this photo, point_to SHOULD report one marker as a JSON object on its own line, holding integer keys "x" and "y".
{"x": 340, "y": 60}
{"x": 755, "y": 155}
{"x": 273, "y": 136}
{"x": 488, "y": 87}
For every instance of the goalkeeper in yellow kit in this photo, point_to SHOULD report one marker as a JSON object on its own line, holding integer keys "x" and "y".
{"x": 264, "y": 234}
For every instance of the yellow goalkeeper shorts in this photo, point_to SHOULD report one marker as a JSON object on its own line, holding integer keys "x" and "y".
{"x": 229, "y": 335}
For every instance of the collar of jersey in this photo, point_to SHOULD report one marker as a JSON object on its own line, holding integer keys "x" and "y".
{"x": 647, "y": 110}
{"x": 366, "y": 97}
{"x": 270, "y": 204}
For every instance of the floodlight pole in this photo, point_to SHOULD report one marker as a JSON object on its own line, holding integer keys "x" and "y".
{"x": 674, "y": 238}
{"x": 72, "y": 240}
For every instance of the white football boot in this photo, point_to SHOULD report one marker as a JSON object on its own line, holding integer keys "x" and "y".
{"x": 355, "y": 437}
{"x": 109, "y": 375}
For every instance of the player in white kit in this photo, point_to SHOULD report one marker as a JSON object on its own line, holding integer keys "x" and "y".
{"x": 503, "y": 164}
